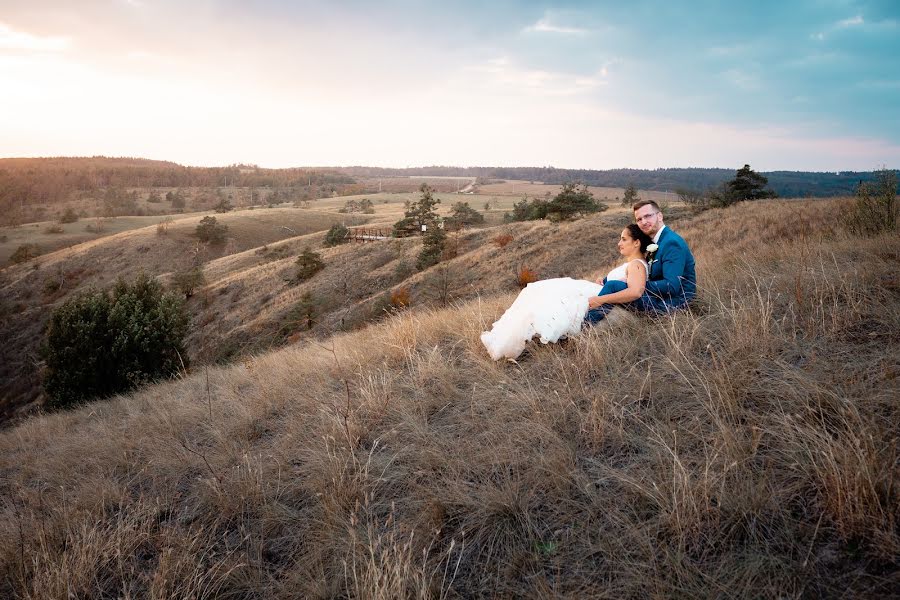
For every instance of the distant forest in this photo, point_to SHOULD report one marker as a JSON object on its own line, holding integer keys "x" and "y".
{"x": 49, "y": 181}
{"x": 53, "y": 180}
{"x": 787, "y": 184}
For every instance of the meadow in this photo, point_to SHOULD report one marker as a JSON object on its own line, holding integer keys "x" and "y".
{"x": 744, "y": 448}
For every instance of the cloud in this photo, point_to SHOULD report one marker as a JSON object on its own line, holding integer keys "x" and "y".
{"x": 851, "y": 22}
{"x": 10, "y": 39}
{"x": 502, "y": 73}
{"x": 546, "y": 26}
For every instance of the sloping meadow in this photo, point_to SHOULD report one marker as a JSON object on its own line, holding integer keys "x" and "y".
{"x": 745, "y": 448}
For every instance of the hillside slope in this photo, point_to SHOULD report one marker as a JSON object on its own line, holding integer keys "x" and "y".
{"x": 29, "y": 292}
{"x": 746, "y": 448}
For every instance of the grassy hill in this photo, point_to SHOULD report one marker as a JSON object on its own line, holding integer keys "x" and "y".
{"x": 746, "y": 448}
{"x": 247, "y": 304}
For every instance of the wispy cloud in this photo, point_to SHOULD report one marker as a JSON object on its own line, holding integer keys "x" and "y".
{"x": 11, "y": 39}
{"x": 748, "y": 82}
{"x": 503, "y": 73}
{"x": 851, "y": 22}
{"x": 545, "y": 25}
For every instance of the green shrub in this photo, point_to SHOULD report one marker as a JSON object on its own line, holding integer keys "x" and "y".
{"x": 69, "y": 215}
{"x": 210, "y": 231}
{"x": 337, "y": 234}
{"x": 25, "y": 252}
{"x": 301, "y": 315}
{"x": 308, "y": 264}
{"x": 101, "y": 343}
{"x": 463, "y": 215}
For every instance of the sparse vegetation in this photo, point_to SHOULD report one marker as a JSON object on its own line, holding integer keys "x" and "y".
{"x": 210, "y": 231}
{"x": 463, "y": 215}
{"x": 308, "y": 264}
{"x": 301, "y": 316}
{"x": 69, "y": 215}
{"x": 875, "y": 208}
{"x": 364, "y": 206}
{"x": 24, "y": 253}
{"x": 630, "y": 196}
{"x": 187, "y": 281}
{"x": 573, "y": 201}
{"x": 400, "y": 298}
{"x": 502, "y": 240}
{"x": 223, "y": 206}
{"x": 337, "y": 234}
{"x": 162, "y": 228}
{"x": 101, "y": 343}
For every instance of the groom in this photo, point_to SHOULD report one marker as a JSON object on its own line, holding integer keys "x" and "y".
{"x": 672, "y": 282}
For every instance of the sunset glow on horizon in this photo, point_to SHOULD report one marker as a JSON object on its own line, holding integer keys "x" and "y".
{"x": 575, "y": 85}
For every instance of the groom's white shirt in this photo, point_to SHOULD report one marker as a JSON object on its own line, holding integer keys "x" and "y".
{"x": 658, "y": 233}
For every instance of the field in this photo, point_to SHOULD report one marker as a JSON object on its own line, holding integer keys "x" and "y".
{"x": 745, "y": 448}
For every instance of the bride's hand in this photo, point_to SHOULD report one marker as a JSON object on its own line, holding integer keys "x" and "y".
{"x": 595, "y": 301}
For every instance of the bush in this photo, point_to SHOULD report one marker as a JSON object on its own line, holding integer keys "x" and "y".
{"x": 400, "y": 298}
{"x": 502, "y": 240}
{"x": 463, "y": 215}
{"x": 336, "y": 235}
{"x": 101, "y": 343}
{"x": 69, "y": 215}
{"x": 524, "y": 276}
{"x": 54, "y": 229}
{"x": 162, "y": 228}
{"x": 223, "y": 206}
{"x": 308, "y": 264}
{"x": 188, "y": 281}
{"x": 573, "y": 201}
{"x": 210, "y": 231}
{"x": 875, "y": 209}
{"x": 302, "y": 314}
{"x": 24, "y": 253}
{"x": 177, "y": 199}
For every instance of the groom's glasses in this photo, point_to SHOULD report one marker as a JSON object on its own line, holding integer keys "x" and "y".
{"x": 646, "y": 217}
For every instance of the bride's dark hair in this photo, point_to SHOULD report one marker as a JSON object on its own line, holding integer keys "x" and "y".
{"x": 636, "y": 234}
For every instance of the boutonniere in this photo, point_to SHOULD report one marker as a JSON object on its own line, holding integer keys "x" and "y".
{"x": 651, "y": 253}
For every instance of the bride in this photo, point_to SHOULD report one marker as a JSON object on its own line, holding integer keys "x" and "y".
{"x": 554, "y": 308}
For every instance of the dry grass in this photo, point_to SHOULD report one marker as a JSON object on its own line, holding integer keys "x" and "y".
{"x": 747, "y": 448}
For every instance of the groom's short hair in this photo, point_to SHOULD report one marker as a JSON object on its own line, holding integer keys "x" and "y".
{"x": 641, "y": 203}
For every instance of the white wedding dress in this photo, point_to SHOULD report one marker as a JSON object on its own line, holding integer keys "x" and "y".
{"x": 551, "y": 309}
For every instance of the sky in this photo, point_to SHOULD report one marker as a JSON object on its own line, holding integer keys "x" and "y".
{"x": 799, "y": 85}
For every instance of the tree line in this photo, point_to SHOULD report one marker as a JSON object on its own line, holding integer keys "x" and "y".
{"x": 787, "y": 184}
{"x": 50, "y": 180}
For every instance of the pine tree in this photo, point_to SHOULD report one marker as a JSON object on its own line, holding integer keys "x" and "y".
{"x": 749, "y": 185}
{"x": 421, "y": 212}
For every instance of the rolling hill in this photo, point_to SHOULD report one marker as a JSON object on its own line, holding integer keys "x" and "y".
{"x": 744, "y": 448}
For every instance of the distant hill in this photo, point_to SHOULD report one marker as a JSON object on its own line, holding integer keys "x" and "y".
{"x": 787, "y": 184}
{"x": 53, "y": 181}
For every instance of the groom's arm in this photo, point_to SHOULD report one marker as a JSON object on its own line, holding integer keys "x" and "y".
{"x": 672, "y": 262}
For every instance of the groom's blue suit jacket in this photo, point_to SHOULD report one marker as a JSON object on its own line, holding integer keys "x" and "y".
{"x": 673, "y": 277}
